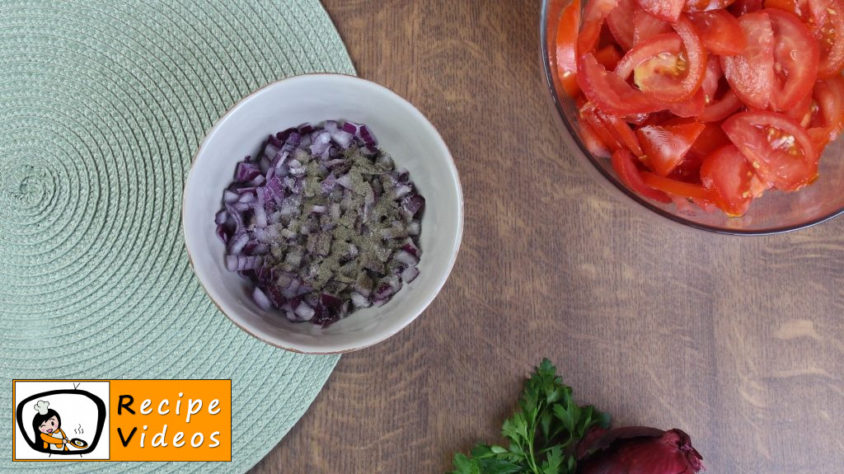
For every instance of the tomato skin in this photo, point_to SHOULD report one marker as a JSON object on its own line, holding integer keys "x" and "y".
{"x": 722, "y": 108}
{"x": 624, "y": 165}
{"x": 776, "y": 146}
{"x": 719, "y": 32}
{"x": 566, "y": 54}
{"x": 751, "y": 73}
{"x": 668, "y": 10}
{"x": 728, "y": 175}
{"x": 665, "y": 146}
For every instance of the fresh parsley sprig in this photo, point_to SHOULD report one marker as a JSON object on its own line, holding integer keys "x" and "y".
{"x": 543, "y": 433}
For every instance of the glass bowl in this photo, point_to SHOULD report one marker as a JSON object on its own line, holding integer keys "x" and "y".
{"x": 774, "y": 212}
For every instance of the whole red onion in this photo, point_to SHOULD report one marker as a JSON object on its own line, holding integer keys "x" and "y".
{"x": 637, "y": 450}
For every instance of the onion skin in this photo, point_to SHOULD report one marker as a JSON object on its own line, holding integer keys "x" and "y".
{"x": 637, "y": 450}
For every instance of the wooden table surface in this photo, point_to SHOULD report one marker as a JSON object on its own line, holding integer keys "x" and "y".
{"x": 737, "y": 340}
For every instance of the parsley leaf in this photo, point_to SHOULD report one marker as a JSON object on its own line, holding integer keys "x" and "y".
{"x": 543, "y": 433}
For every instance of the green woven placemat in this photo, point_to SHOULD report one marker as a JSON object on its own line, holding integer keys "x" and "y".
{"x": 102, "y": 106}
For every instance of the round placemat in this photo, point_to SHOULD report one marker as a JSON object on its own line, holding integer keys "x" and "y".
{"x": 103, "y": 105}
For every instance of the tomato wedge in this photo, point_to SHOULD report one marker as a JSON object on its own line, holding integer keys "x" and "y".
{"x": 776, "y": 146}
{"x": 711, "y": 138}
{"x": 608, "y": 56}
{"x": 751, "y": 73}
{"x": 567, "y": 29}
{"x": 706, "y": 5}
{"x": 795, "y": 59}
{"x": 676, "y": 188}
{"x": 728, "y": 176}
{"x": 624, "y": 165}
{"x": 610, "y": 92}
{"x": 690, "y": 108}
{"x": 829, "y": 121}
{"x": 668, "y": 67}
{"x": 825, "y": 18}
{"x": 668, "y": 10}
{"x": 619, "y": 24}
{"x": 721, "y": 108}
{"x": 719, "y": 32}
{"x": 592, "y": 142}
{"x": 666, "y": 145}
{"x": 646, "y": 26}
{"x": 740, "y": 7}
{"x": 830, "y": 34}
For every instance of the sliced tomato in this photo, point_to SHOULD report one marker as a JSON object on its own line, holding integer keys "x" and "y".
{"x": 728, "y": 176}
{"x": 751, "y": 73}
{"x": 690, "y": 108}
{"x": 619, "y": 24}
{"x": 608, "y": 56}
{"x": 622, "y": 132}
{"x": 825, "y": 19}
{"x": 741, "y": 7}
{"x": 592, "y": 142}
{"x": 830, "y": 34}
{"x": 689, "y": 169}
{"x": 721, "y": 108}
{"x": 624, "y": 165}
{"x": 649, "y": 52}
{"x": 829, "y": 94}
{"x": 646, "y": 26}
{"x": 776, "y": 146}
{"x": 674, "y": 77}
{"x": 668, "y": 67}
{"x": 566, "y": 41}
{"x": 597, "y": 10}
{"x": 676, "y": 188}
{"x": 796, "y": 56}
{"x": 719, "y": 32}
{"x": 711, "y": 138}
{"x": 609, "y": 92}
{"x": 666, "y": 145}
{"x": 668, "y": 10}
{"x": 711, "y": 78}
{"x": 828, "y": 122}
{"x": 706, "y": 5}
{"x": 803, "y": 111}
{"x": 589, "y": 115}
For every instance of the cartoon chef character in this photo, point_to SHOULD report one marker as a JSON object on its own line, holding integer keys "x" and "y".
{"x": 48, "y": 422}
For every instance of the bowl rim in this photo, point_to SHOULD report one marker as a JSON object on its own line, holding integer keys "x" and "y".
{"x": 458, "y": 238}
{"x": 545, "y": 59}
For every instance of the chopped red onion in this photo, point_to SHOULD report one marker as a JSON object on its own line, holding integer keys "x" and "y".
{"x": 321, "y": 223}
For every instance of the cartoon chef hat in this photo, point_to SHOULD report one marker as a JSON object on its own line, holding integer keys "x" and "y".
{"x": 41, "y": 406}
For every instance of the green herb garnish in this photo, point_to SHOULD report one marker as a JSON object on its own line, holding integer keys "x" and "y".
{"x": 543, "y": 433}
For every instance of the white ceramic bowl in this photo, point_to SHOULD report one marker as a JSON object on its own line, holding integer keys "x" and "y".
{"x": 401, "y": 130}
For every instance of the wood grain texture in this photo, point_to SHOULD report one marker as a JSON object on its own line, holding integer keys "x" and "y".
{"x": 738, "y": 341}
